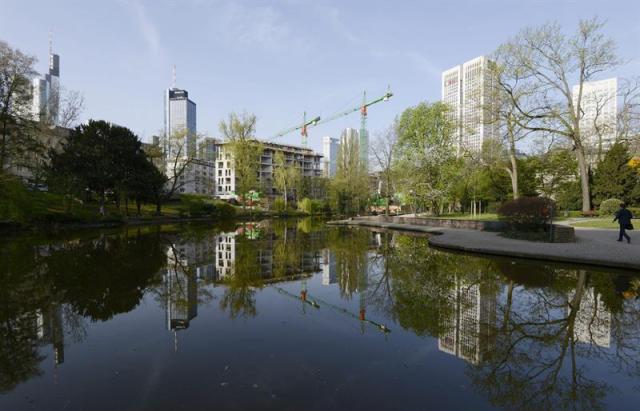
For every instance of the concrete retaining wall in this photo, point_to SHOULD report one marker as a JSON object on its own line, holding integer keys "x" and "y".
{"x": 439, "y": 222}
{"x": 561, "y": 233}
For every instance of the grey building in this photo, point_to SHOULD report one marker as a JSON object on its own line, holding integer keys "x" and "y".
{"x": 46, "y": 92}
{"x": 179, "y": 118}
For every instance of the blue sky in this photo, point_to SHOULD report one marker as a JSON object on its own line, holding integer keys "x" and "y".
{"x": 280, "y": 58}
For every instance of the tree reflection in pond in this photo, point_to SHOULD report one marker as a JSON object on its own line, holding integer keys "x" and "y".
{"x": 532, "y": 335}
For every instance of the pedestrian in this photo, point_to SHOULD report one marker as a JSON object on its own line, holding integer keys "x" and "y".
{"x": 624, "y": 216}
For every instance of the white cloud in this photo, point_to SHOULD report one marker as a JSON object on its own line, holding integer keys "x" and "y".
{"x": 145, "y": 26}
{"x": 262, "y": 27}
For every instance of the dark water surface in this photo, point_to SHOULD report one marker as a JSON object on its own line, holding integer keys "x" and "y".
{"x": 296, "y": 315}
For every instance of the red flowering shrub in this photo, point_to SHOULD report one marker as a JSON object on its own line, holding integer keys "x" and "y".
{"x": 527, "y": 213}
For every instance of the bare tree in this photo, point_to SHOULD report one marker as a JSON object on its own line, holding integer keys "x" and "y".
{"x": 540, "y": 66}
{"x": 383, "y": 152}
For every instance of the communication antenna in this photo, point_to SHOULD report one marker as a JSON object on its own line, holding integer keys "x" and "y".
{"x": 50, "y": 42}
{"x": 173, "y": 79}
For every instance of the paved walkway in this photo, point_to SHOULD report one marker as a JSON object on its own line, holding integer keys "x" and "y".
{"x": 592, "y": 246}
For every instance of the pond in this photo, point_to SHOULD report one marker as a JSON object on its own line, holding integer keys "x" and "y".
{"x": 298, "y": 315}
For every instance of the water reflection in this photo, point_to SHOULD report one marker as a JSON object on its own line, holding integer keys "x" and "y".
{"x": 532, "y": 335}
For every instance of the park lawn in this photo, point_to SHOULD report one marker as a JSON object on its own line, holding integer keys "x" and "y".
{"x": 477, "y": 217}
{"x": 596, "y": 223}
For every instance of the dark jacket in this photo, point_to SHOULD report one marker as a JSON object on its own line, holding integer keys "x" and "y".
{"x": 623, "y": 216}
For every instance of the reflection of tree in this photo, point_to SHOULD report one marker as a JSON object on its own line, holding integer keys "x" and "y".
{"x": 425, "y": 280}
{"x": 545, "y": 334}
{"x": 350, "y": 247}
{"x": 109, "y": 275}
{"x": 47, "y": 289}
{"x": 239, "y": 294}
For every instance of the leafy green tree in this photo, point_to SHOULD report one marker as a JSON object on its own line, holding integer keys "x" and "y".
{"x": 101, "y": 157}
{"x": 426, "y": 162}
{"x": 238, "y": 131}
{"x": 349, "y": 191}
{"x": 613, "y": 177}
{"x": 286, "y": 177}
{"x": 16, "y": 71}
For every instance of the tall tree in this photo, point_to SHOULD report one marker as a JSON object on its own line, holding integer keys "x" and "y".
{"x": 286, "y": 177}
{"x": 540, "y": 66}
{"x": 349, "y": 189}
{"x": 101, "y": 157}
{"x": 16, "y": 71}
{"x": 614, "y": 178}
{"x": 426, "y": 160}
{"x": 238, "y": 131}
{"x": 383, "y": 151}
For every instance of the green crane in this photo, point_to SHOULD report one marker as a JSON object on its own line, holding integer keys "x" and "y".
{"x": 363, "y": 108}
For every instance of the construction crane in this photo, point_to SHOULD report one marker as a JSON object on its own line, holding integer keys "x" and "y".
{"x": 363, "y": 108}
{"x": 302, "y": 127}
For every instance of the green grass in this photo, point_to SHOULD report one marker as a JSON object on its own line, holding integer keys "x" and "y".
{"x": 477, "y": 217}
{"x": 596, "y": 223}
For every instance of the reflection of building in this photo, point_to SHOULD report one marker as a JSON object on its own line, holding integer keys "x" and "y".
{"x": 468, "y": 332}
{"x": 593, "y": 320}
{"x": 225, "y": 253}
{"x": 329, "y": 273}
{"x": 466, "y": 89}
{"x": 50, "y": 330}
{"x": 181, "y": 290}
{"x": 598, "y": 121}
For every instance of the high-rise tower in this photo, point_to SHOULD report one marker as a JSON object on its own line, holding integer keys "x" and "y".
{"x": 46, "y": 91}
{"x": 466, "y": 89}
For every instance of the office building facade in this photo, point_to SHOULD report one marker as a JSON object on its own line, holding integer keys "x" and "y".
{"x": 46, "y": 92}
{"x": 330, "y": 147}
{"x": 179, "y": 121}
{"x": 466, "y": 89}
{"x": 598, "y": 116}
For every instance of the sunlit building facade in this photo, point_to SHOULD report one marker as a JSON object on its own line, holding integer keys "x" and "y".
{"x": 598, "y": 116}
{"x": 466, "y": 89}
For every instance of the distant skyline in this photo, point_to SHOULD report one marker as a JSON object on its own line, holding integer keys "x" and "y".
{"x": 279, "y": 58}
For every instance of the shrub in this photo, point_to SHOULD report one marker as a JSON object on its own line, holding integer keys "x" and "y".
{"x": 310, "y": 206}
{"x": 224, "y": 210}
{"x": 609, "y": 207}
{"x": 198, "y": 206}
{"x": 526, "y": 213}
{"x": 278, "y": 205}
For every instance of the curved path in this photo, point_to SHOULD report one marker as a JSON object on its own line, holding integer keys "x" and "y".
{"x": 592, "y": 246}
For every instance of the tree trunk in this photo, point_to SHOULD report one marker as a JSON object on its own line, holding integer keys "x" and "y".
{"x": 583, "y": 167}
{"x": 513, "y": 172}
{"x": 285, "y": 197}
{"x": 138, "y": 204}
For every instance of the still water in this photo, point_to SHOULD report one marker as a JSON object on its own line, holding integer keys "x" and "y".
{"x": 298, "y": 315}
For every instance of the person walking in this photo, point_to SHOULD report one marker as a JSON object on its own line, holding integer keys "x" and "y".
{"x": 624, "y": 216}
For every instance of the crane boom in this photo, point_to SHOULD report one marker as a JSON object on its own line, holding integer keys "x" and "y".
{"x": 318, "y": 121}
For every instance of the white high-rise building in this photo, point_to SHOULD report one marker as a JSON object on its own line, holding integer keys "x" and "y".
{"x": 46, "y": 92}
{"x": 598, "y": 121}
{"x": 330, "y": 148}
{"x": 467, "y": 89}
{"x": 469, "y": 329}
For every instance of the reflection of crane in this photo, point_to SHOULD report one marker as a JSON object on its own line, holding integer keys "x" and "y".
{"x": 317, "y": 121}
{"x": 315, "y": 302}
